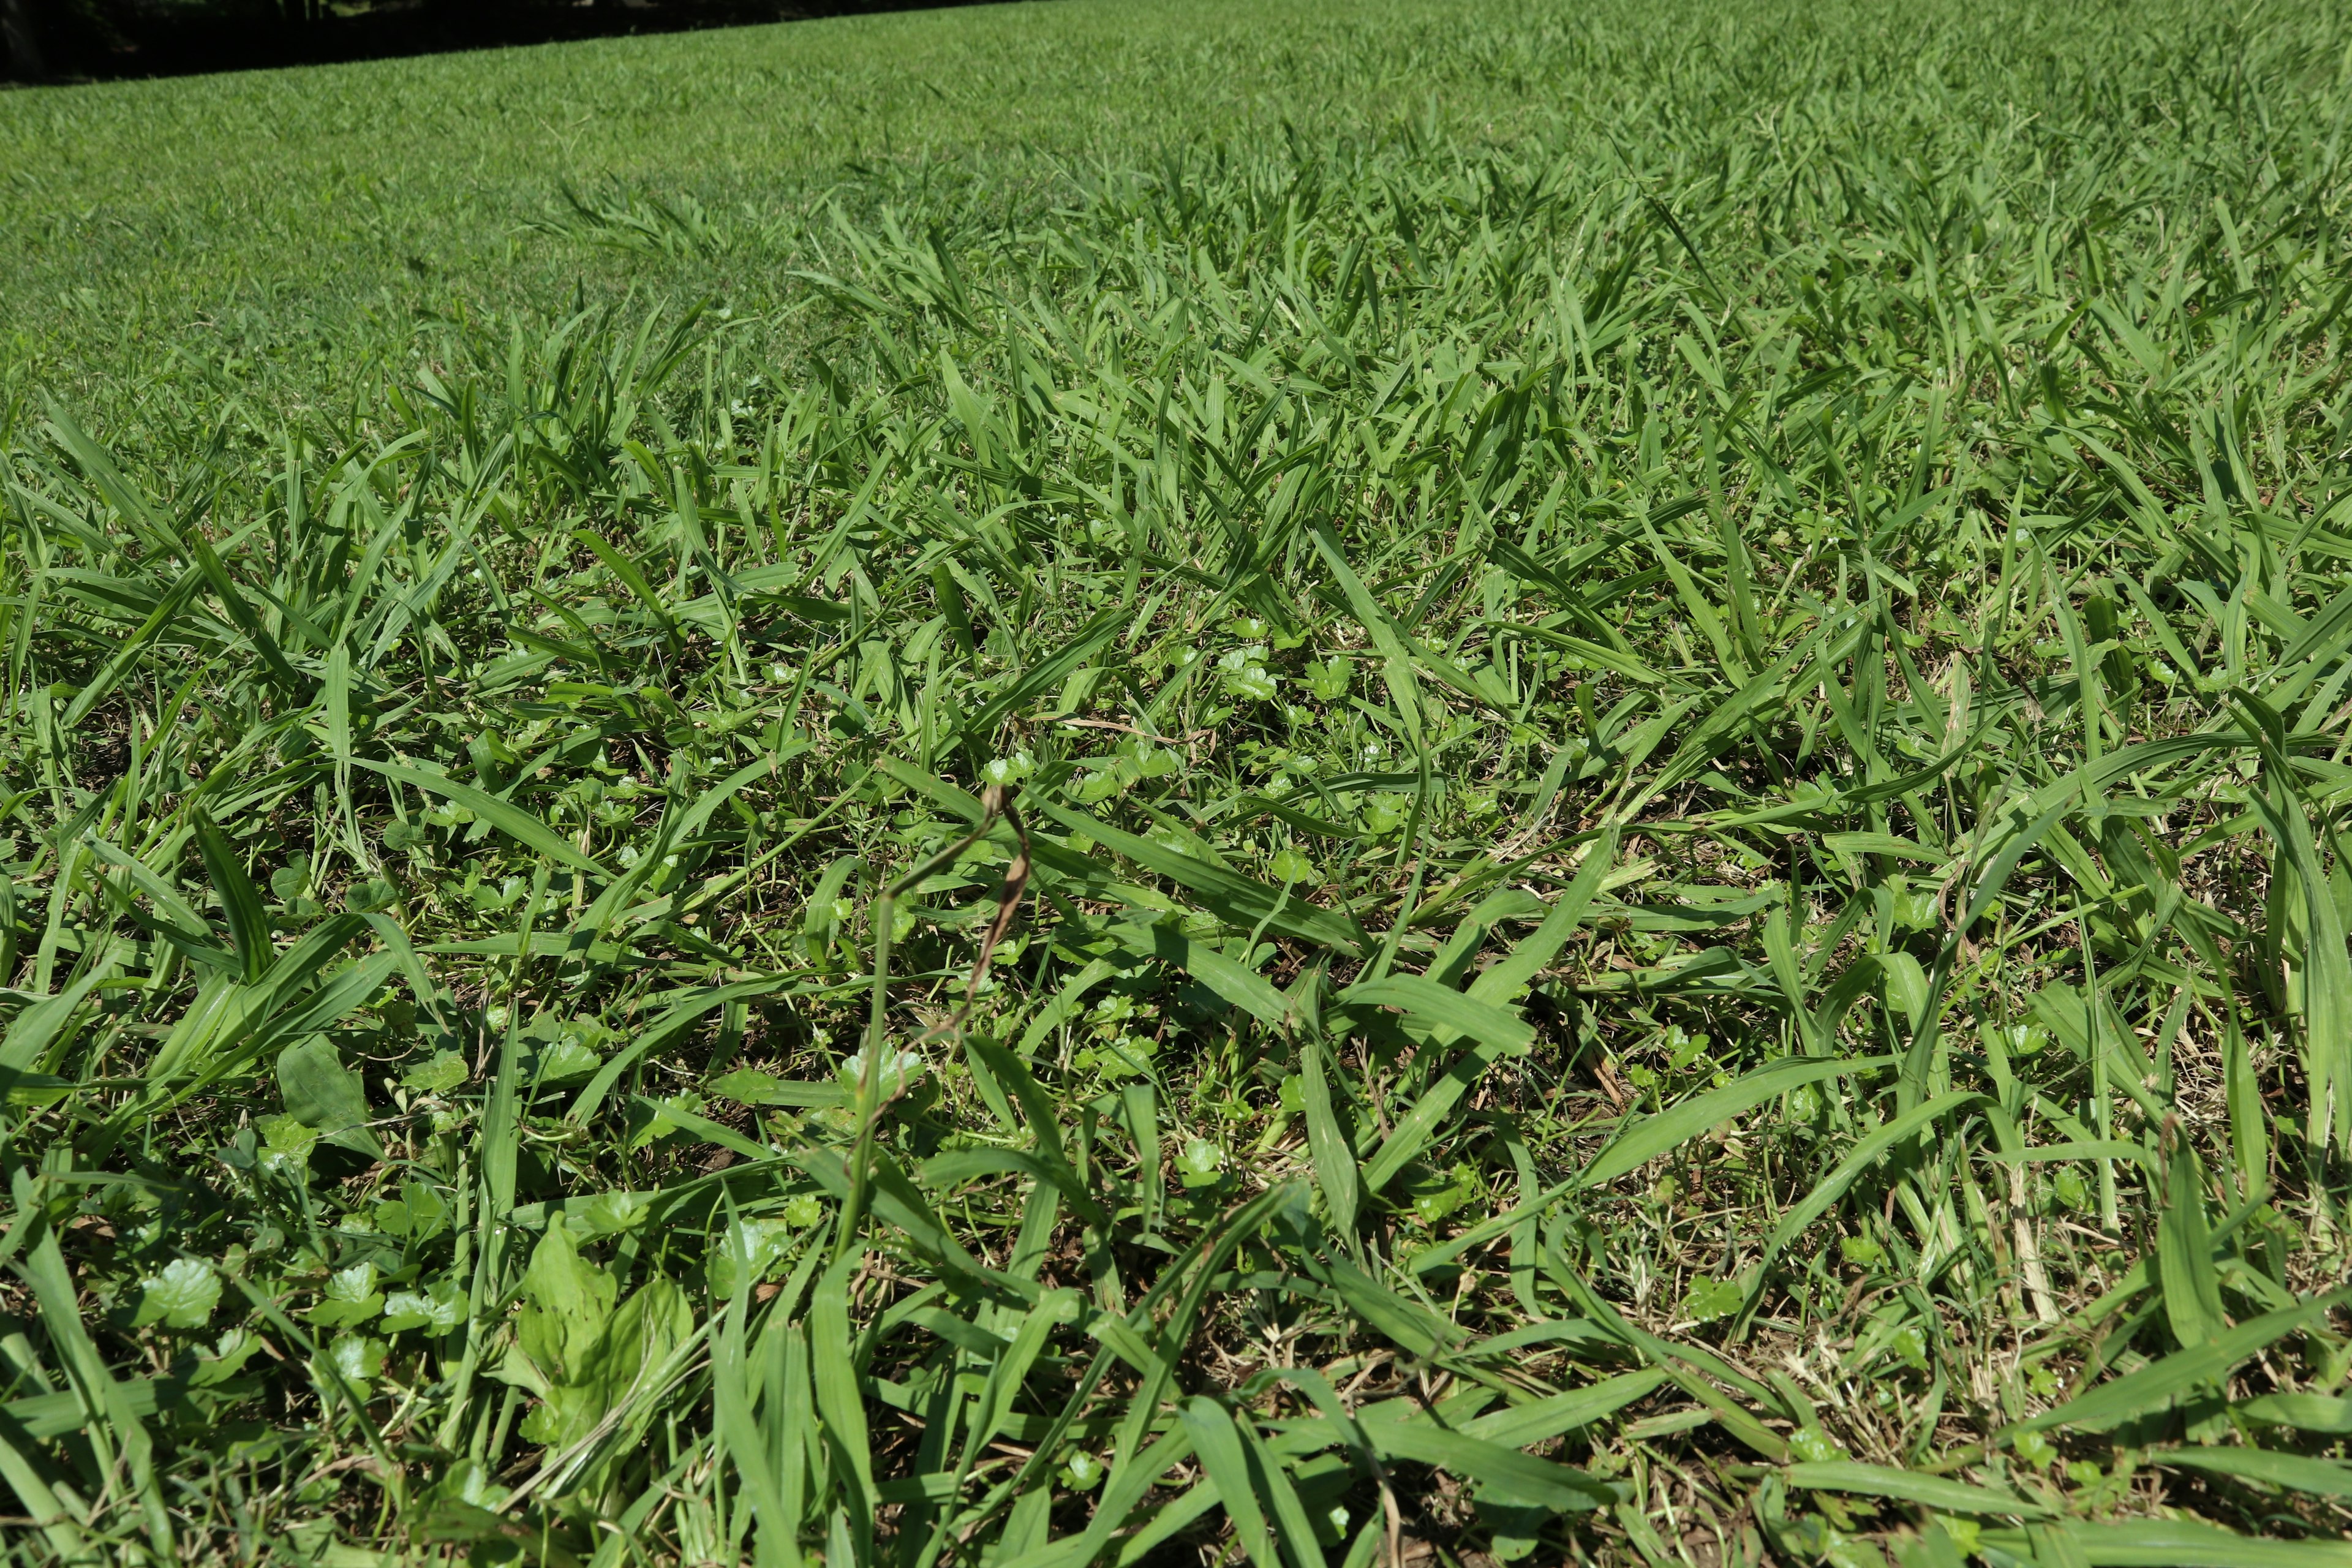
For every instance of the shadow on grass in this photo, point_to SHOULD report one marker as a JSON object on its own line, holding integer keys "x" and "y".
{"x": 85, "y": 40}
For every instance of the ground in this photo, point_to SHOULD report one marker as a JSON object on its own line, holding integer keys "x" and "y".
{"x": 1082, "y": 783}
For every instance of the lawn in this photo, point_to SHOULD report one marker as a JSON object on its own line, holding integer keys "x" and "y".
{"x": 1307, "y": 783}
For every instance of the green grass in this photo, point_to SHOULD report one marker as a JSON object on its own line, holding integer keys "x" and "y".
{"x": 287, "y": 231}
{"x": 1083, "y": 786}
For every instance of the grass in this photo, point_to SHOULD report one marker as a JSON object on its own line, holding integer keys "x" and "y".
{"x": 284, "y": 233}
{"x": 1437, "y": 783}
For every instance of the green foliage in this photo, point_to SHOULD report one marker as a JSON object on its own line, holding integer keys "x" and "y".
{"x": 1554, "y": 782}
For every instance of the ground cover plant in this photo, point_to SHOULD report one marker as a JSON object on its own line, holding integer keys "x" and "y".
{"x": 1593, "y": 816}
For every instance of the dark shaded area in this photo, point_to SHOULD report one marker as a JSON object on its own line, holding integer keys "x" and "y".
{"x": 69, "y": 40}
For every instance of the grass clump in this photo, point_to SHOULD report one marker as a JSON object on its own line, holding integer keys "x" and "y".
{"x": 1613, "y": 834}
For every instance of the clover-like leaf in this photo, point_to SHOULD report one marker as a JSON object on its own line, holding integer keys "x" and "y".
{"x": 227, "y": 1357}
{"x": 1707, "y": 1299}
{"x": 358, "y": 1357}
{"x": 369, "y": 895}
{"x": 1200, "y": 1163}
{"x": 351, "y": 1296}
{"x": 444, "y": 1072}
{"x": 748, "y": 1253}
{"x": 440, "y": 1308}
{"x": 1328, "y": 678}
{"x": 181, "y": 1295}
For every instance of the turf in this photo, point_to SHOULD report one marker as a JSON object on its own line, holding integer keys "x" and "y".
{"x": 288, "y": 230}
{"x": 1436, "y": 783}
